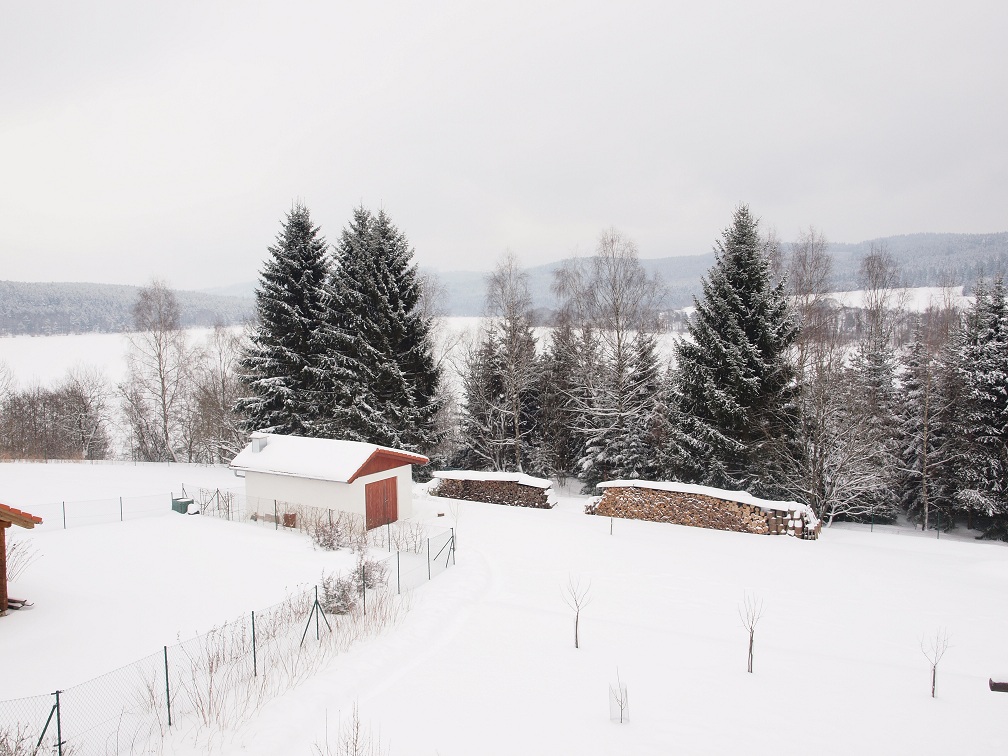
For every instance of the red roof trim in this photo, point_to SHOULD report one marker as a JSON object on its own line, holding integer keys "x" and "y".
{"x": 16, "y": 516}
{"x": 402, "y": 458}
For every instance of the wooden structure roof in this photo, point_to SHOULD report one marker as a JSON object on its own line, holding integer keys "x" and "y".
{"x": 12, "y": 516}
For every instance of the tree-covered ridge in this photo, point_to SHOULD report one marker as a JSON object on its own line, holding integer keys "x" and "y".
{"x": 50, "y": 308}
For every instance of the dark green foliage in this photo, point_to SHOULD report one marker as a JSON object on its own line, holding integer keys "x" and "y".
{"x": 982, "y": 419}
{"x": 282, "y": 370}
{"x": 923, "y": 435}
{"x": 734, "y": 388}
{"x": 383, "y": 376}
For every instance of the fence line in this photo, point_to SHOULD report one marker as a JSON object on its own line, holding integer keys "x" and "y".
{"x": 218, "y": 680}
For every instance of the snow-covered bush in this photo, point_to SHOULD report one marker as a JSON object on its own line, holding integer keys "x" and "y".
{"x": 339, "y": 594}
{"x": 336, "y": 530}
{"x": 370, "y": 573}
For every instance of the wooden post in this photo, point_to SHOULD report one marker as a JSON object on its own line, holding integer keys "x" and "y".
{"x": 3, "y": 567}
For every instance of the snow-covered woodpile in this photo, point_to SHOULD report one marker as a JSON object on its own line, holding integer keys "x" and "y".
{"x": 704, "y": 507}
{"x": 510, "y": 489}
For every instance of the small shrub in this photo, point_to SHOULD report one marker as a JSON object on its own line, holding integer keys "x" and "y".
{"x": 370, "y": 573}
{"x": 339, "y": 594}
{"x": 338, "y": 530}
{"x": 15, "y": 742}
{"x": 20, "y": 556}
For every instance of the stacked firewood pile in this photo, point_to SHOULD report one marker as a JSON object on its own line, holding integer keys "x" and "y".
{"x": 700, "y": 511}
{"x": 504, "y": 492}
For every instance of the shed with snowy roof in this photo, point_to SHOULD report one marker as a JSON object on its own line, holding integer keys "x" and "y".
{"x": 372, "y": 481}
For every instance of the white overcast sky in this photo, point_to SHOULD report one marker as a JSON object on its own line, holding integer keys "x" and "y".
{"x": 142, "y": 139}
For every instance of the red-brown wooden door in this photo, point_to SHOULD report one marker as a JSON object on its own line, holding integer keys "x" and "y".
{"x": 381, "y": 500}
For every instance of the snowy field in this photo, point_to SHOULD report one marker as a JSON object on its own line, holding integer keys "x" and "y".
{"x": 484, "y": 662}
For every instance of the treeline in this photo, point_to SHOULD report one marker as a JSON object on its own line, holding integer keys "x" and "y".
{"x": 876, "y": 414}
{"x": 873, "y": 414}
{"x": 175, "y": 404}
{"x": 923, "y": 260}
{"x": 50, "y": 308}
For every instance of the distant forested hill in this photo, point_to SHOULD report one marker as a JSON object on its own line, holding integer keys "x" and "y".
{"x": 924, "y": 260}
{"x": 49, "y": 308}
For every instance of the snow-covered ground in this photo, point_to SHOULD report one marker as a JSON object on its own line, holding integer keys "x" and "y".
{"x": 485, "y": 661}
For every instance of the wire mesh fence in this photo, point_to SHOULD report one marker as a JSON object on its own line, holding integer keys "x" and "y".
{"x": 218, "y": 680}
{"x": 60, "y": 515}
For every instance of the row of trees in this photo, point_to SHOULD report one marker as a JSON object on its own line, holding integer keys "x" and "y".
{"x": 175, "y": 404}
{"x": 766, "y": 392}
{"x": 342, "y": 347}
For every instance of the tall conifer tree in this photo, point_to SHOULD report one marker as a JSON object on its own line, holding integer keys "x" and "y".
{"x": 378, "y": 341}
{"x": 283, "y": 371}
{"x": 734, "y": 387}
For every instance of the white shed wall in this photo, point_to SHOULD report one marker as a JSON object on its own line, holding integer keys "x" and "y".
{"x": 327, "y": 494}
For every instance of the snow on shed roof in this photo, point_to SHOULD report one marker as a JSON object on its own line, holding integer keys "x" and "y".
{"x": 742, "y": 497}
{"x": 319, "y": 458}
{"x": 520, "y": 478}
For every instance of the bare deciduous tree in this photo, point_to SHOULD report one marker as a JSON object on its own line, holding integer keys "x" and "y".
{"x": 750, "y": 611}
{"x": 157, "y": 378}
{"x": 577, "y": 598}
{"x": 611, "y": 307}
{"x": 934, "y": 649}
{"x": 809, "y": 269}
{"x": 878, "y": 276}
{"x": 216, "y": 390}
{"x": 353, "y": 739}
{"x": 619, "y": 701}
{"x": 89, "y": 414}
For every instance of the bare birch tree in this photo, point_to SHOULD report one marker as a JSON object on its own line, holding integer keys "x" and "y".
{"x": 157, "y": 364}
{"x": 808, "y": 270}
{"x": 612, "y": 307}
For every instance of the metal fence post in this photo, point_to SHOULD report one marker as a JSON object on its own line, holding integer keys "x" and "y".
{"x": 64, "y": 515}
{"x": 276, "y": 526}
{"x": 120, "y": 509}
{"x": 59, "y": 726}
{"x": 453, "y": 545}
{"x": 255, "y": 661}
{"x": 167, "y": 688}
{"x": 428, "y": 559}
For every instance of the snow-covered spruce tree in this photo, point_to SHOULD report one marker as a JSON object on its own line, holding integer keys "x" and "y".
{"x": 483, "y": 433}
{"x": 382, "y": 381}
{"x": 626, "y": 447}
{"x": 983, "y": 419}
{"x": 612, "y": 306}
{"x": 561, "y": 444}
{"x": 734, "y": 388}
{"x": 923, "y": 439}
{"x": 282, "y": 370}
{"x": 511, "y": 408}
